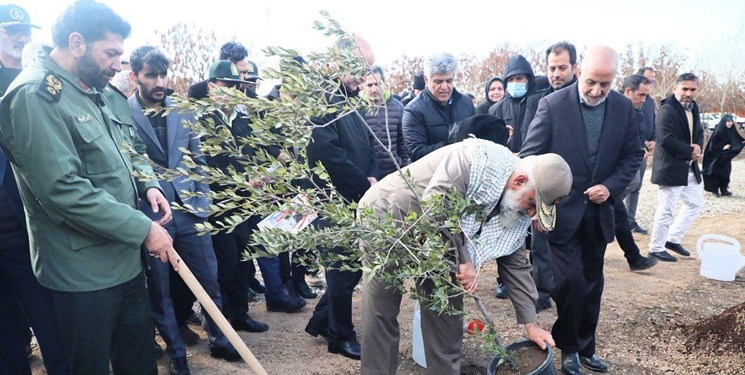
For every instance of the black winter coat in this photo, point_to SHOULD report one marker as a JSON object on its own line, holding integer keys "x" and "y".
{"x": 426, "y": 121}
{"x": 344, "y": 148}
{"x": 672, "y": 154}
{"x": 392, "y": 136}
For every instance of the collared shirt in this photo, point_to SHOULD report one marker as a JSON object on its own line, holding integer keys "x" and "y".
{"x": 689, "y": 116}
{"x": 158, "y": 122}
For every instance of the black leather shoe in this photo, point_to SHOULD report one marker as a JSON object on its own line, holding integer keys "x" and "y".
{"x": 542, "y": 304}
{"x": 640, "y": 230}
{"x": 256, "y": 286}
{"x": 676, "y": 247}
{"x": 315, "y": 332}
{"x": 350, "y": 348}
{"x": 570, "y": 364}
{"x": 303, "y": 290}
{"x": 663, "y": 256}
{"x": 190, "y": 337}
{"x": 726, "y": 193}
{"x": 249, "y": 325}
{"x": 642, "y": 263}
{"x": 178, "y": 366}
{"x": 227, "y": 353}
{"x": 286, "y": 303}
{"x": 594, "y": 363}
{"x": 501, "y": 291}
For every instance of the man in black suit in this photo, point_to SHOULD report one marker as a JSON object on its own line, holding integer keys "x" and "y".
{"x": 344, "y": 148}
{"x": 680, "y": 139}
{"x": 577, "y": 123}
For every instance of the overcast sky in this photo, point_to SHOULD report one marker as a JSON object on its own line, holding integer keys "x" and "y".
{"x": 401, "y": 27}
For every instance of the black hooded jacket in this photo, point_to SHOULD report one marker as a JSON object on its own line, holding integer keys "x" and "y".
{"x": 483, "y": 108}
{"x": 426, "y": 121}
{"x": 512, "y": 110}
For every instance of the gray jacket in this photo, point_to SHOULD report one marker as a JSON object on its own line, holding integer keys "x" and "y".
{"x": 391, "y": 136}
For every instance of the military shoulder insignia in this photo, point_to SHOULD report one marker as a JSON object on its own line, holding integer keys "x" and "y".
{"x": 50, "y": 87}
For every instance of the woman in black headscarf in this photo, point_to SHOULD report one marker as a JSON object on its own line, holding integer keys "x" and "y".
{"x": 494, "y": 92}
{"x": 724, "y": 145}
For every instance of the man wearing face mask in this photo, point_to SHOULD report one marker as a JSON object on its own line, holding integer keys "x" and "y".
{"x": 428, "y": 118}
{"x": 520, "y": 80}
{"x": 594, "y": 129}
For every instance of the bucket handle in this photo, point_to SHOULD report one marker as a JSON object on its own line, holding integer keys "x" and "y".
{"x": 718, "y": 237}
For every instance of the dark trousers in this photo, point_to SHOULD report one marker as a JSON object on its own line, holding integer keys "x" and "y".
{"x": 113, "y": 323}
{"x": 197, "y": 253}
{"x": 578, "y": 273}
{"x": 334, "y": 310}
{"x": 183, "y": 299}
{"x": 623, "y": 232}
{"x": 632, "y": 198}
{"x": 24, "y": 302}
{"x": 542, "y": 272}
{"x": 234, "y": 271}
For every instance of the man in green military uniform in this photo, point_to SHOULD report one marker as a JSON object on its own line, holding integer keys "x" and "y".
{"x": 67, "y": 151}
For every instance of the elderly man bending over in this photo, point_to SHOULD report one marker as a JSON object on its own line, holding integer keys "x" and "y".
{"x": 509, "y": 191}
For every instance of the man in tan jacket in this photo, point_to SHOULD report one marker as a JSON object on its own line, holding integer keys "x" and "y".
{"x": 510, "y": 191}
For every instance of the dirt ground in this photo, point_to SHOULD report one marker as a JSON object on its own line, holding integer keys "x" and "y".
{"x": 646, "y": 320}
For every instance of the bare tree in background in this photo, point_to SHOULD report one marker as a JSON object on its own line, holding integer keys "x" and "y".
{"x": 191, "y": 51}
{"x": 400, "y": 75}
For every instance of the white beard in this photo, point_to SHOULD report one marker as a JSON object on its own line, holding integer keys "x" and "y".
{"x": 509, "y": 210}
{"x": 601, "y": 101}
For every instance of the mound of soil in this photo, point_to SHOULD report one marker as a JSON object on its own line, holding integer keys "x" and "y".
{"x": 723, "y": 332}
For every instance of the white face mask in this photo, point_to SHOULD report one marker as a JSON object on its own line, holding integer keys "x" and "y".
{"x": 517, "y": 89}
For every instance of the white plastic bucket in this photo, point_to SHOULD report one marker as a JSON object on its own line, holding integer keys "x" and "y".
{"x": 417, "y": 351}
{"x": 720, "y": 257}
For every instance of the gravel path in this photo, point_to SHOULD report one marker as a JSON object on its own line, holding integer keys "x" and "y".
{"x": 714, "y": 205}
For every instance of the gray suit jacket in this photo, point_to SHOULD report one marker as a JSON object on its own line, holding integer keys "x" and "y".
{"x": 558, "y": 127}
{"x": 179, "y": 136}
